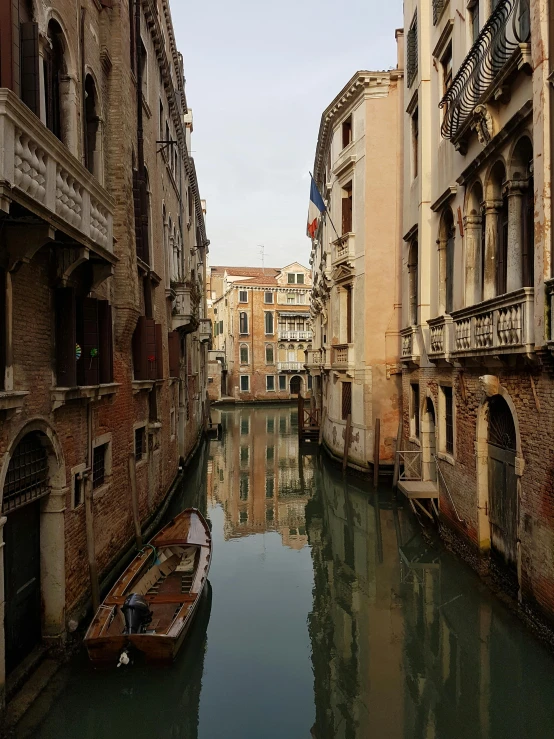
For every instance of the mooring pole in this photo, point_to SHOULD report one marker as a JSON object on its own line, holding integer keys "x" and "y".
{"x": 396, "y": 473}
{"x": 134, "y": 500}
{"x": 89, "y": 517}
{"x": 376, "y": 446}
{"x": 347, "y": 435}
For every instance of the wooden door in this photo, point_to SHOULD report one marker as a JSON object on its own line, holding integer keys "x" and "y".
{"x": 295, "y": 385}
{"x": 503, "y": 502}
{"x": 22, "y": 583}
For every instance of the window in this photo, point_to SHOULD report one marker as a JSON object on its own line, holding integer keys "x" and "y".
{"x": 243, "y": 323}
{"x": 244, "y": 426}
{"x": 243, "y": 517}
{"x": 270, "y": 453}
{"x": 448, "y": 420}
{"x": 282, "y": 383}
{"x": 291, "y": 277}
{"x": 283, "y": 420}
{"x": 269, "y": 514}
{"x": 270, "y": 426}
{"x": 412, "y": 53}
{"x": 349, "y": 314}
{"x": 347, "y": 208}
{"x": 268, "y": 297}
{"x": 99, "y": 466}
{"x": 269, "y": 323}
{"x": 91, "y": 148}
{"x": 2, "y": 328}
{"x": 140, "y": 443}
{"x": 414, "y": 425}
{"x": 446, "y": 65}
{"x": 244, "y": 455}
{"x": 78, "y": 489}
{"x": 474, "y": 20}
{"x": 221, "y": 327}
{"x": 415, "y": 143}
{"x": 347, "y": 132}
{"x": 450, "y": 245}
{"x": 346, "y": 400}
{"x": 300, "y": 279}
{"x": 244, "y": 485}
{"x": 54, "y": 72}
{"x": 291, "y": 298}
{"x": 270, "y": 383}
{"x": 269, "y": 354}
{"x": 269, "y": 487}
{"x": 244, "y": 383}
{"x": 310, "y": 382}
{"x": 244, "y": 353}
{"x": 413, "y": 283}
{"x": 243, "y": 296}
{"x": 147, "y": 350}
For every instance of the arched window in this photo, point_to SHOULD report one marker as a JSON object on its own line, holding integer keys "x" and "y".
{"x": 413, "y": 280}
{"x": 522, "y": 211}
{"x": 27, "y": 476}
{"x": 54, "y": 71}
{"x": 243, "y": 323}
{"x": 92, "y": 129}
{"x": 244, "y": 353}
{"x": 269, "y": 358}
{"x": 269, "y": 322}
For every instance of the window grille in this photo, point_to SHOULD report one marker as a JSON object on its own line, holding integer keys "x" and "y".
{"x": 27, "y": 476}
{"x": 140, "y": 443}
{"x": 99, "y": 466}
{"x": 438, "y": 7}
{"x": 346, "y": 400}
{"x": 411, "y": 56}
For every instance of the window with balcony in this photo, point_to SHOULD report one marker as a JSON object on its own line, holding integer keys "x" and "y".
{"x": 270, "y": 383}
{"x": 269, "y": 354}
{"x": 446, "y": 69}
{"x": 415, "y": 142}
{"x": 244, "y": 353}
{"x": 346, "y": 400}
{"x": 92, "y": 147}
{"x": 269, "y": 321}
{"x": 55, "y": 71}
{"x": 412, "y": 53}
{"x": 347, "y": 132}
{"x": 244, "y": 383}
{"x": 347, "y": 208}
{"x": 268, "y": 297}
{"x": 84, "y": 344}
{"x": 413, "y": 282}
{"x": 29, "y": 58}
{"x": 447, "y": 240}
{"x": 243, "y": 323}
{"x": 243, "y": 296}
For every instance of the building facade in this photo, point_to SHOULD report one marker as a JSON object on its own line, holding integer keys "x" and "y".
{"x": 357, "y": 274}
{"x": 103, "y": 331}
{"x": 477, "y": 287}
{"x": 261, "y": 331}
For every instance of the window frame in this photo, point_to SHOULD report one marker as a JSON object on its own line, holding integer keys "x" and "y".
{"x": 267, "y": 383}
{"x": 241, "y": 293}
{"x": 269, "y": 317}
{"x": 247, "y": 348}
{"x": 283, "y": 383}
{"x": 415, "y": 411}
{"x": 244, "y": 324}
{"x": 270, "y": 295}
{"x": 247, "y": 378}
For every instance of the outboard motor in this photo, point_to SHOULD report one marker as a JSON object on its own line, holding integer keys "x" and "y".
{"x": 137, "y": 614}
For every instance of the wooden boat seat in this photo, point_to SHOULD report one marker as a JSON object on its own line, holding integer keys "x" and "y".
{"x": 157, "y": 599}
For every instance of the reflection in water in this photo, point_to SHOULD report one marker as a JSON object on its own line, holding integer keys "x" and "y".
{"x": 331, "y": 618}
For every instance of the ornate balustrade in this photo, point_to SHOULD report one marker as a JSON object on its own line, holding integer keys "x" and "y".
{"x": 40, "y": 173}
{"x": 410, "y": 350}
{"x": 502, "y": 325}
{"x": 502, "y": 46}
{"x": 204, "y": 329}
{"x": 343, "y": 249}
{"x": 315, "y": 358}
{"x": 342, "y": 355}
{"x": 295, "y": 335}
{"x": 290, "y": 367}
{"x": 440, "y": 337}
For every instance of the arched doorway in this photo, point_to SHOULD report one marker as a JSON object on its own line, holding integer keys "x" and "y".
{"x": 295, "y": 385}
{"x": 428, "y": 441}
{"x": 502, "y": 480}
{"x": 27, "y": 480}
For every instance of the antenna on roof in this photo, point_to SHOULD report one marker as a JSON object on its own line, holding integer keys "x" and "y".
{"x": 262, "y": 254}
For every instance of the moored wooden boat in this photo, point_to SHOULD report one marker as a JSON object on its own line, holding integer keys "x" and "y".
{"x": 150, "y": 608}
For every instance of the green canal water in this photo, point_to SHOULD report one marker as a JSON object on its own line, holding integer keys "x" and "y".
{"x": 328, "y": 616}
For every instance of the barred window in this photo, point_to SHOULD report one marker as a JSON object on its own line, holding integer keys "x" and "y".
{"x": 411, "y": 60}
{"x": 346, "y": 400}
{"x": 140, "y": 443}
{"x": 99, "y": 466}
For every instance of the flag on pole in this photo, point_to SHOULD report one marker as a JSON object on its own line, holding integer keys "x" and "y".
{"x": 317, "y": 207}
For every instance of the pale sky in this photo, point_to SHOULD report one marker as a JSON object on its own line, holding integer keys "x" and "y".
{"x": 259, "y": 76}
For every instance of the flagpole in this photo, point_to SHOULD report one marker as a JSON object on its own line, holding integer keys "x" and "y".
{"x": 326, "y": 211}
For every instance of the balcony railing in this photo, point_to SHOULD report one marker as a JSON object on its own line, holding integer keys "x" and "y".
{"x": 343, "y": 248}
{"x": 441, "y": 331}
{"x": 295, "y": 335}
{"x": 290, "y": 367}
{"x": 182, "y": 310}
{"x": 342, "y": 355}
{"x": 501, "y": 325}
{"x": 506, "y": 30}
{"x": 410, "y": 350}
{"x": 42, "y": 175}
{"x": 315, "y": 358}
{"x": 204, "y": 330}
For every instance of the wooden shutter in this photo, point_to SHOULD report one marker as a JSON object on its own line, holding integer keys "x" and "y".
{"x": 2, "y": 328}
{"x": 140, "y": 355}
{"x": 174, "y": 350}
{"x": 105, "y": 331}
{"x": 151, "y": 347}
{"x": 30, "y": 85}
{"x": 159, "y": 352}
{"x": 347, "y": 215}
{"x": 87, "y": 329}
{"x": 66, "y": 358}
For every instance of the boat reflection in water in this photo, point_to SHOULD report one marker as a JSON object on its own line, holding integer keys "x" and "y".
{"x": 406, "y": 642}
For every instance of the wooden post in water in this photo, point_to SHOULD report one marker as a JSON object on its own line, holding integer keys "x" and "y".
{"x": 134, "y": 500}
{"x": 91, "y": 552}
{"x": 300, "y": 414}
{"x": 396, "y": 473}
{"x": 376, "y": 447}
{"x": 322, "y": 424}
{"x": 347, "y": 435}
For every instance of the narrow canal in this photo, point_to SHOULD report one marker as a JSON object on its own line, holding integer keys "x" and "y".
{"x": 328, "y": 617}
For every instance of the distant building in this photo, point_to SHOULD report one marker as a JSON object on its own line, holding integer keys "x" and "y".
{"x": 357, "y": 268}
{"x": 261, "y": 332}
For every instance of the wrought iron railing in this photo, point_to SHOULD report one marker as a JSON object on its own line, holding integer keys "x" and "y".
{"x": 507, "y": 28}
{"x": 438, "y": 7}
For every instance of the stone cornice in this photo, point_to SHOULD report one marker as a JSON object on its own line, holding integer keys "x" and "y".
{"x": 363, "y": 84}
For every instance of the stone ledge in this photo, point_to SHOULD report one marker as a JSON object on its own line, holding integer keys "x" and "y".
{"x": 62, "y": 395}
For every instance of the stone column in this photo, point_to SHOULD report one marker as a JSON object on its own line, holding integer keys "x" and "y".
{"x": 441, "y": 243}
{"x": 52, "y": 561}
{"x": 492, "y": 211}
{"x": 473, "y": 277}
{"x": 515, "y": 190}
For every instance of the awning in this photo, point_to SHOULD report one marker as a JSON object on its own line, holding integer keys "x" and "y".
{"x": 295, "y": 314}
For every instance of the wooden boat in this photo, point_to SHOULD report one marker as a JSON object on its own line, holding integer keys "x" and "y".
{"x": 150, "y": 608}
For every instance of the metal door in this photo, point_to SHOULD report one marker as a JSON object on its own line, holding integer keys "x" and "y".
{"x": 502, "y": 481}
{"x": 22, "y": 583}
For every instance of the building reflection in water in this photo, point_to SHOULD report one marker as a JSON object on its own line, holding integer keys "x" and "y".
{"x": 255, "y": 473}
{"x": 406, "y": 642}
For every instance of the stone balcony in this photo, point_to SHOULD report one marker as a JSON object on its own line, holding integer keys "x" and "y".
{"x": 38, "y": 172}
{"x": 204, "y": 330}
{"x": 441, "y": 338}
{"x": 183, "y": 316}
{"x": 501, "y": 325}
{"x": 290, "y": 367}
{"x": 342, "y": 356}
{"x": 410, "y": 351}
{"x": 343, "y": 249}
{"x": 295, "y": 335}
{"x": 315, "y": 357}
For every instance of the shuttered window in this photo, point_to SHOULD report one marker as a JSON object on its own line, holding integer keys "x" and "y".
{"x": 147, "y": 350}
{"x": 346, "y": 400}
{"x": 30, "y": 85}
{"x": 174, "y": 351}
{"x": 411, "y": 55}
